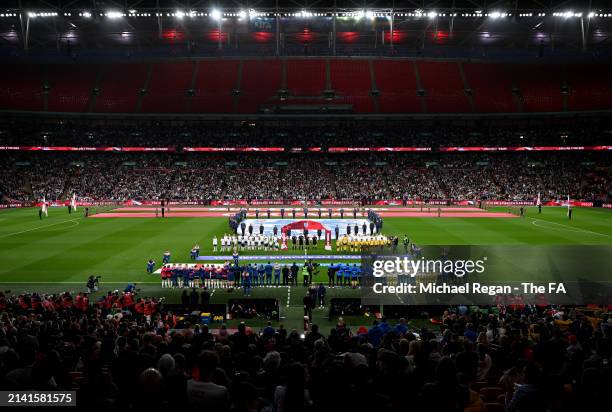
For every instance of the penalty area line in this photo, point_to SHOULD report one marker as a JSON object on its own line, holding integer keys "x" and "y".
{"x": 566, "y": 228}
{"x": 39, "y": 227}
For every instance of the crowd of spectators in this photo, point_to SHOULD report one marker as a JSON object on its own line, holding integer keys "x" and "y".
{"x": 518, "y": 358}
{"x": 357, "y": 177}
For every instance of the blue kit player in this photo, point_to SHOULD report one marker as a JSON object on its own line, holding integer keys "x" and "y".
{"x": 246, "y": 283}
{"x": 277, "y": 273}
{"x": 166, "y": 258}
{"x": 268, "y": 269}
{"x": 339, "y": 274}
{"x": 355, "y": 275}
{"x": 150, "y": 266}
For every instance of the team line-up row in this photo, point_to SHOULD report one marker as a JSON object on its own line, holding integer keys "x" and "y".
{"x": 228, "y": 275}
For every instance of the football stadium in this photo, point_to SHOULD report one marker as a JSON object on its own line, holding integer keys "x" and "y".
{"x": 306, "y": 206}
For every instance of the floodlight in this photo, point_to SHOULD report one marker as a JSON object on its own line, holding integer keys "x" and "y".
{"x": 114, "y": 14}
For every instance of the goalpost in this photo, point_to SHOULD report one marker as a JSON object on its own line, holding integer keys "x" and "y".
{"x": 96, "y": 209}
{"x": 516, "y": 210}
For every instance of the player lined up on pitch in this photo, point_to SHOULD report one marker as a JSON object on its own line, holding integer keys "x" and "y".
{"x": 354, "y": 243}
{"x": 247, "y": 276}
{"x": 229, "y": 243}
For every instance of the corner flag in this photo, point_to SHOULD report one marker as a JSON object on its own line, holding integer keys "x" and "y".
{"x": 43, "y": 207}
{"x": 539, "y": 200}
{"x": 73, "y": 203}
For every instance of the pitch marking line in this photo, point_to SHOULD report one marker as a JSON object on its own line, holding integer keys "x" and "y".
{"x": 565, "y": 228}
{"x": 76, "y": 283}
{"x": 39, "y": 227}
{"x": 74, "y": 223}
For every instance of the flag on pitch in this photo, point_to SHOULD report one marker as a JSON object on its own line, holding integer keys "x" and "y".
{"x": 539, "y": 200}
{"x": 73, "y": 203}
{"x": 568, "y": 205}
{"x": 43, "y": 208}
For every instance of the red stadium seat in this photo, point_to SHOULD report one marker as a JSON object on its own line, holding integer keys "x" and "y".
{"x": 119, "y": 87}
{"x": 444, "y": 89}
{"x": 306, "y": 77}
{"x": 396, "y": 82}
{"x": 491, "y": 87}
{"x": 352, "y": 83}
{"x": 215, "y": 82}
{"x": 167, "y": 86}
{"x": 590, "y": 87}
{"x": 167, "y": 89}
{"x": 21, "y": 87}
{"x": 71, "y": 86}
{"x": 540, "y": 86}
{"x": 261, "y": 80}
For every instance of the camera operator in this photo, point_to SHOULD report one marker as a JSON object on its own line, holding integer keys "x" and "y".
{"x": 93, "y": 284}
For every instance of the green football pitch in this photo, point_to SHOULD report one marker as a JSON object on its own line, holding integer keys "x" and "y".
{"x": 60, "y": 251}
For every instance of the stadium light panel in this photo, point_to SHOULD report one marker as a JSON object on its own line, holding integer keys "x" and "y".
{"x": 591, "y": 15}
{"x": 33, "y": 15}
{"x": 432, "y": 14}
{"x": 179, "y": 14}
{"x": 567, "y": 14}
{"x": 114, "y": 14}
{"x": 215, "y": 14}
{"x": 369, "y": 15}
{"x": 242, "y": 14}
{"x": 497, "y": 15}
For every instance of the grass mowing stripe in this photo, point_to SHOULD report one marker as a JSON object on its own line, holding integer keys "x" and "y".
{"x": 119, "y": 248}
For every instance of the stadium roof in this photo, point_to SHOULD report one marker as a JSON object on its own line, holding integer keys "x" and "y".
{"x": 552, "y": 5}
{"x": 327, "y": 27}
